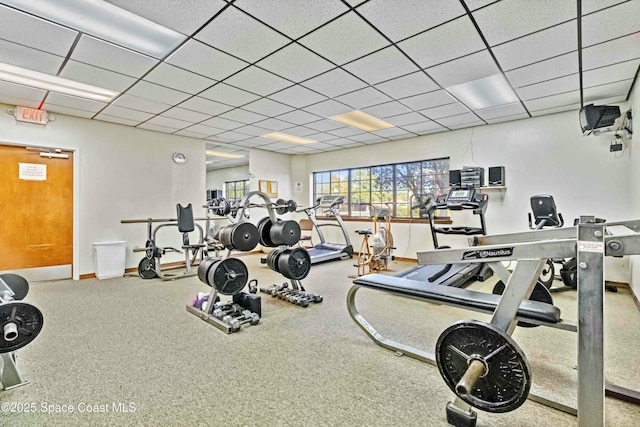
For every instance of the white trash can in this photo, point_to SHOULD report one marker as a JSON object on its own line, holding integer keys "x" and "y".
{"x": 110, "y": 259}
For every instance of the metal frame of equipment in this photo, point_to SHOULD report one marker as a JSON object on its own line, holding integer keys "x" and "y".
{"x": 590, "y": 242}
{"x": 325, "y": 251}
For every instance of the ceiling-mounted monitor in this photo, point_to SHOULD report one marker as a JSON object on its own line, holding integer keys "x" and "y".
{"x": 598, "y": 116}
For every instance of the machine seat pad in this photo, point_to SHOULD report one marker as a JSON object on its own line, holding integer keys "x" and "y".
{"x": 364, "y": 232}
{"x": 462, "y": 298}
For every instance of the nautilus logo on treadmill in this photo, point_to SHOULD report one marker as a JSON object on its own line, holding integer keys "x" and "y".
{"x": 488, "y": 253}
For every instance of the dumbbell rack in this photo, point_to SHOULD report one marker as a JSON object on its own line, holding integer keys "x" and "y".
{"x": 296, "y": 294}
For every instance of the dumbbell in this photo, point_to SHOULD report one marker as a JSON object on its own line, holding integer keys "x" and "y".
{"x": 245, "y": 317}
{"x": 298, "y": 300}
{"x": 314, "y": 297}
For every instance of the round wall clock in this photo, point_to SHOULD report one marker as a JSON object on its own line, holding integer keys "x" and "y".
{"x": 179, "y": 158}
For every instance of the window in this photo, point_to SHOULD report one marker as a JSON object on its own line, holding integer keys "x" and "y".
{"x": 380, "y": 186}
{"x": 236, "y": 190}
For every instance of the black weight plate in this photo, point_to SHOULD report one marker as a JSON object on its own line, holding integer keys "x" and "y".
{"x": 147, "y": 268}
{"x": 547, "y": 274}
{"x": 229, "y": 276}
{"x": 245, "y": 236}
{"x": 505, "y": 386}
{"x": 150, "y": 247}
{"x": 540, "y": 293}
{"x": 264, "y": 232}
{"x": 18, "y": 285}
{"x": 568, "y": 273}
{"x": 272, "y": 259}
{"x": 285, "y": 233}
{"x": 294, "y": 263}
{"x": 292, "y": 205}
{"x": 203, "y": 269}
{"x": 28, "y": 320}
{"x": 224, "y": 208}
{"x": 281, "y": 206}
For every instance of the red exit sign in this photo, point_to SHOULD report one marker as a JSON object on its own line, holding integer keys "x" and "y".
{"x": 32, "y": 115}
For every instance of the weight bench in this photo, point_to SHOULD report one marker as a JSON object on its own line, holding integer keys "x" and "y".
{"x": 532, "y": 312}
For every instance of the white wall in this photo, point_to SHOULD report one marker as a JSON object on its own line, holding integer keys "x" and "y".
{"x": 217, "y": 177}
{"x": 270, "y": 166}
{"x": 545, "y": 154}
{"x": 634, "y": 179}
{"x": 124, "y": 173}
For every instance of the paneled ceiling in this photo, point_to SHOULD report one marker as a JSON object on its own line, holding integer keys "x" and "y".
{"x": 250, "y": 67}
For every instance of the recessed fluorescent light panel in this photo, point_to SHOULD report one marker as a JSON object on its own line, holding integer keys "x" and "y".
{"x": 285, "y": 137}
{"x": 105, "y": 21}
{"x": 26, "y": 77}
{"x": 488, "y": 92}
{"x": 221, "y": 154}
{"x": 361, "y": 120}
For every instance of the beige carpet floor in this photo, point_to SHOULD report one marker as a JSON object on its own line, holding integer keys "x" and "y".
{"x": 129, "y": 343}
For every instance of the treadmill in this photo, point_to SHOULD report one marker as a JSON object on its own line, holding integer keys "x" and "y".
{"x": 326, "y": 251}
{"x": 457, "y": 275}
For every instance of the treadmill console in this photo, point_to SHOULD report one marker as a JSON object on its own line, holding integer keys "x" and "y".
{"x": 460, "y": 196}
{"x": 327, "y": 203}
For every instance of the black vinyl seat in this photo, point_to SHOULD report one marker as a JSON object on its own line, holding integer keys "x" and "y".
{"x": 186, "y": 225}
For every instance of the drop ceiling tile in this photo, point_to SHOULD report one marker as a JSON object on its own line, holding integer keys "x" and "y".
{"x": 229, "y": 95}
{"x": 32, "y": 59}
{"x": 428, "y": 100}
{"x": 298, "y": 117}
{"x": 477, "y": 4}
{"x": 234, "y": 136}
{"x": 328, "y": 108}
{"x": 205, "y": 106}
{"x": 610, "y": 74}
{"x": 118, "y": 120}
{"x": 240, "y": 35}
{"x": 410, "y": 84}
{"x": 334, "y": 83}
{"x": 13, "y": 100}
{"x": 611, "y": 23}
{"x": 158, "y": 93}
{"x": 300, "y": 131}
{"x": 156, "y": 128}
{"x": 221, "y": 123}
{"x": 186, "y": 115}
{"x": 321, "y": 137}
{"x": 243, "y": 116}
{"x": 355, "y": 3}
{"x": 69, "y": 111}
{"x": 347, "y": 143}
{"x": 295, "y": 63}
{"x": 553, "y": 101}
{"x": 466, "y": 125}
{"x": 267, "y": 107}
{"x": 178, "y": 79}
{"x": 325, "y": 125}
{"x": 559, "y": 66}
{"x": 430, "y": 131}
{"x": 415, "y": 16}
{"x": 421, "y": 127}
{"x": 169, "y": 122}
{"x": 344, "y": 39}
{"x": 387, "y": 109}
{"x": 41, "y": 34}
{"x": 364, "y": 98}
{"x": 252, "y": 130}
{"x": 446, "y": 42}
{"x": 205, "y": 60}
{"x": 126, "y": 113}
{"x": 367, "y": 138}
{"x": 278, "y": 14}
{"x": 507, "y": 20}
{"x": 382, "y": 65}
{"x": 105, "y": 55}
{"x": 392, "y": 132}
{"x": 297, "y": 96}
{"x": 273, "y": 124}
{"x": 404, "y": 136}
{"x": 462, "y": 70}
{"x": 589, "y": 6}
{"x": 188, "y": 17}
{"x": 507, "y": 118}
{"x": 458, "y": 120}
{"x": 141, "y": 104}
{"x": 606, "y": 91}
{"x": 204, "y": 129}
{"x": 219, "y": 139}
{"x": 73, "y": 102}
{"x": 437, "y": 113}
{"x": 345, "y": 132}
{"x": 550, "y": 87}
{"x": 191, "y": 134}
{"x": 279, "y": 146}
{"x": 536, "y": 47}
{"x": 254, "y": 142}
{"x": 622, "y": 49}
{"x": 554, "y": 110}
{"x": 501, "y": 111}
{"x": 258, "y": 81}
{"x": 405, "y": 119}
{"x": 96, "y": 76}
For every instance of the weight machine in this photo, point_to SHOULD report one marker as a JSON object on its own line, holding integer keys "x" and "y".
{"x": 480, "y": 362}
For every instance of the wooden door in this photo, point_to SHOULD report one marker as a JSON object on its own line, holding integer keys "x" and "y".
{"x": 36, "y": 217}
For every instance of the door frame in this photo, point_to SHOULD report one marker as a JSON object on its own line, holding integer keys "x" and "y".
{"x": 75, "y": 265}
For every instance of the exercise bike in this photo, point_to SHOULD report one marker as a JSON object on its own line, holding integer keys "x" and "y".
{"x": 375, "y": 257}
